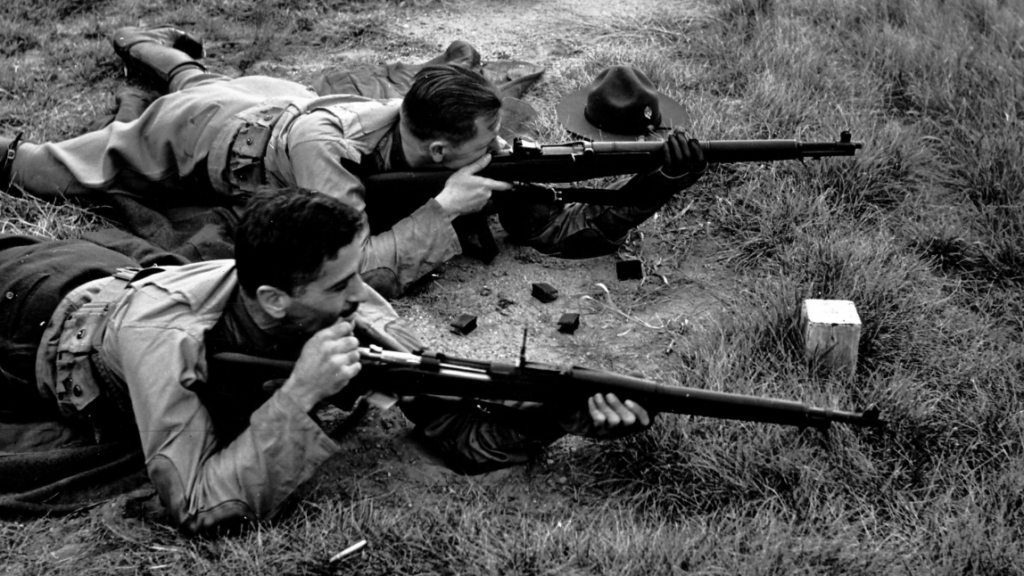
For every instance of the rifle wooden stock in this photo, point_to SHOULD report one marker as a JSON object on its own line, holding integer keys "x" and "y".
{"x": 393, "y": 195}
{"x": 402, "y": 374}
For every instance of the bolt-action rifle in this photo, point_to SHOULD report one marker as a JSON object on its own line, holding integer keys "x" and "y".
{"x": 404, "y": 374}
{"x": 392, "y": 195}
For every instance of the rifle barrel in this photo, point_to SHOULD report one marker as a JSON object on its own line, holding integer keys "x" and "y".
{"x": 772, "y": 150}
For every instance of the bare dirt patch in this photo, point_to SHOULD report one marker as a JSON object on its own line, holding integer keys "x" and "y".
{"x": 625, "y": 318}
{"x": 630, "y": 326}
{"x": 542, "y": 31}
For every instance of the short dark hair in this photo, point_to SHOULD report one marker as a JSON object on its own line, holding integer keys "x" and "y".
{"x": 445, "y": 101}
{"x": 285, "y": 236}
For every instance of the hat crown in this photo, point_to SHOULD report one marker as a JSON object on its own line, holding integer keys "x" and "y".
{"x": 623, "y": 100}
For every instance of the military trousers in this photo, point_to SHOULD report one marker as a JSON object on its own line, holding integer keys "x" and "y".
{"x": 35, "y": 275}
{"x": 165, "y": 152}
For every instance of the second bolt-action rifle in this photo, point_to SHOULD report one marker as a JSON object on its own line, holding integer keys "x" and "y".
{"x": 392, "y": 195}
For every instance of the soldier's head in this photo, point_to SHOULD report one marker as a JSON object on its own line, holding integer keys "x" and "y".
{"x": 450, "y": 117}
{"x": 298, "y": 253}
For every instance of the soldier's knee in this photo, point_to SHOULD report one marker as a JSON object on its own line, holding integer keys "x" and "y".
{"x": 566, "y": 230}
{"x": 527, "y": 221}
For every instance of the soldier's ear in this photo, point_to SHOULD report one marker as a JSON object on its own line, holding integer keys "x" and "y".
{"x": 438, "y": 149}
{"x": 274, "y": 301}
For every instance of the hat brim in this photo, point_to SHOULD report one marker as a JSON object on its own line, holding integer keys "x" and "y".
{"x": 570, "y": 114}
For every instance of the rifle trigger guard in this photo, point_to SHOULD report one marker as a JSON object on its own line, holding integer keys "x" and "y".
{"x": 556, "y": 193}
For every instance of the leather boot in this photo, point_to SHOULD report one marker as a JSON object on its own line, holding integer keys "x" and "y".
{"x": 157, "y": 53}
{"x": 8, "y": 150}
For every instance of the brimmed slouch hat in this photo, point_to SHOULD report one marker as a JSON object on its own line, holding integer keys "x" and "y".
{"x": 620, "y": 104}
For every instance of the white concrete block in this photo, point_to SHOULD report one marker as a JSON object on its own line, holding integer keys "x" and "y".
{"x": 831, "y": 334}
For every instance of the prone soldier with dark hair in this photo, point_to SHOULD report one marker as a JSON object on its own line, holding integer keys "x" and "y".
{"x": 93, "y": 352}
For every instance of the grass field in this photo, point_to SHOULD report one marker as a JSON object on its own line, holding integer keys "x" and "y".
{"x": 924, "y": 230}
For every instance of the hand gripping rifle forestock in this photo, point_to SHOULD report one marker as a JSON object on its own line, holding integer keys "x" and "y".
{"x": 393, "y": 195}
{"x": 404, "y": 374}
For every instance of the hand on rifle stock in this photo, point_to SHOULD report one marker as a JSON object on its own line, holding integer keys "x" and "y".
{"x": 465, "y": 192}
{"x": 682, "y": 155}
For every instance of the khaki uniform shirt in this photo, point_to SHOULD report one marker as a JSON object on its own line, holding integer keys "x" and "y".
{"x": 308, "y": 143}
{"x": 152, "y": 352}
